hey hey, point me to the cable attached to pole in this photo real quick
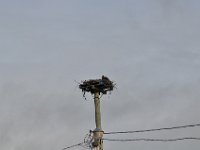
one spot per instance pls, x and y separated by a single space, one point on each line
157 129
75 145
152 140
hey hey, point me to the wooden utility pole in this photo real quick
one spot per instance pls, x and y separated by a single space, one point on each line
98 132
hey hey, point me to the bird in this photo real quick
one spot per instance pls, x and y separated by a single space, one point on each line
105 78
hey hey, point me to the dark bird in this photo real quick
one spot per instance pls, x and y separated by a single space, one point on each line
105 78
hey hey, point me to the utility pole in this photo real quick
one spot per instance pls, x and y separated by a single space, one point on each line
98 132
97 87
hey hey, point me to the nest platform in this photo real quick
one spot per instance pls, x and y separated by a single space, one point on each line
102 85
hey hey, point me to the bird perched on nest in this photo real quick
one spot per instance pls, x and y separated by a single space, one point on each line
105 78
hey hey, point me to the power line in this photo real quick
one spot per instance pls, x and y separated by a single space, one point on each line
145 139
152 140
158 129
75 145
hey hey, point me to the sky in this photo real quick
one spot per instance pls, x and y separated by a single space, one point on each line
149 48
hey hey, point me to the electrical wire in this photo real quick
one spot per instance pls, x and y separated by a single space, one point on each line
88 141
158 129
152 140
75 145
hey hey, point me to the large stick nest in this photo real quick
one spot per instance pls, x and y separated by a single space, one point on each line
102 85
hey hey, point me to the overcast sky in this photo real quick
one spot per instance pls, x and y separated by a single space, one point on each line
150 48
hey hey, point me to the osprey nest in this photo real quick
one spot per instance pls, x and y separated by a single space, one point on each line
102 85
